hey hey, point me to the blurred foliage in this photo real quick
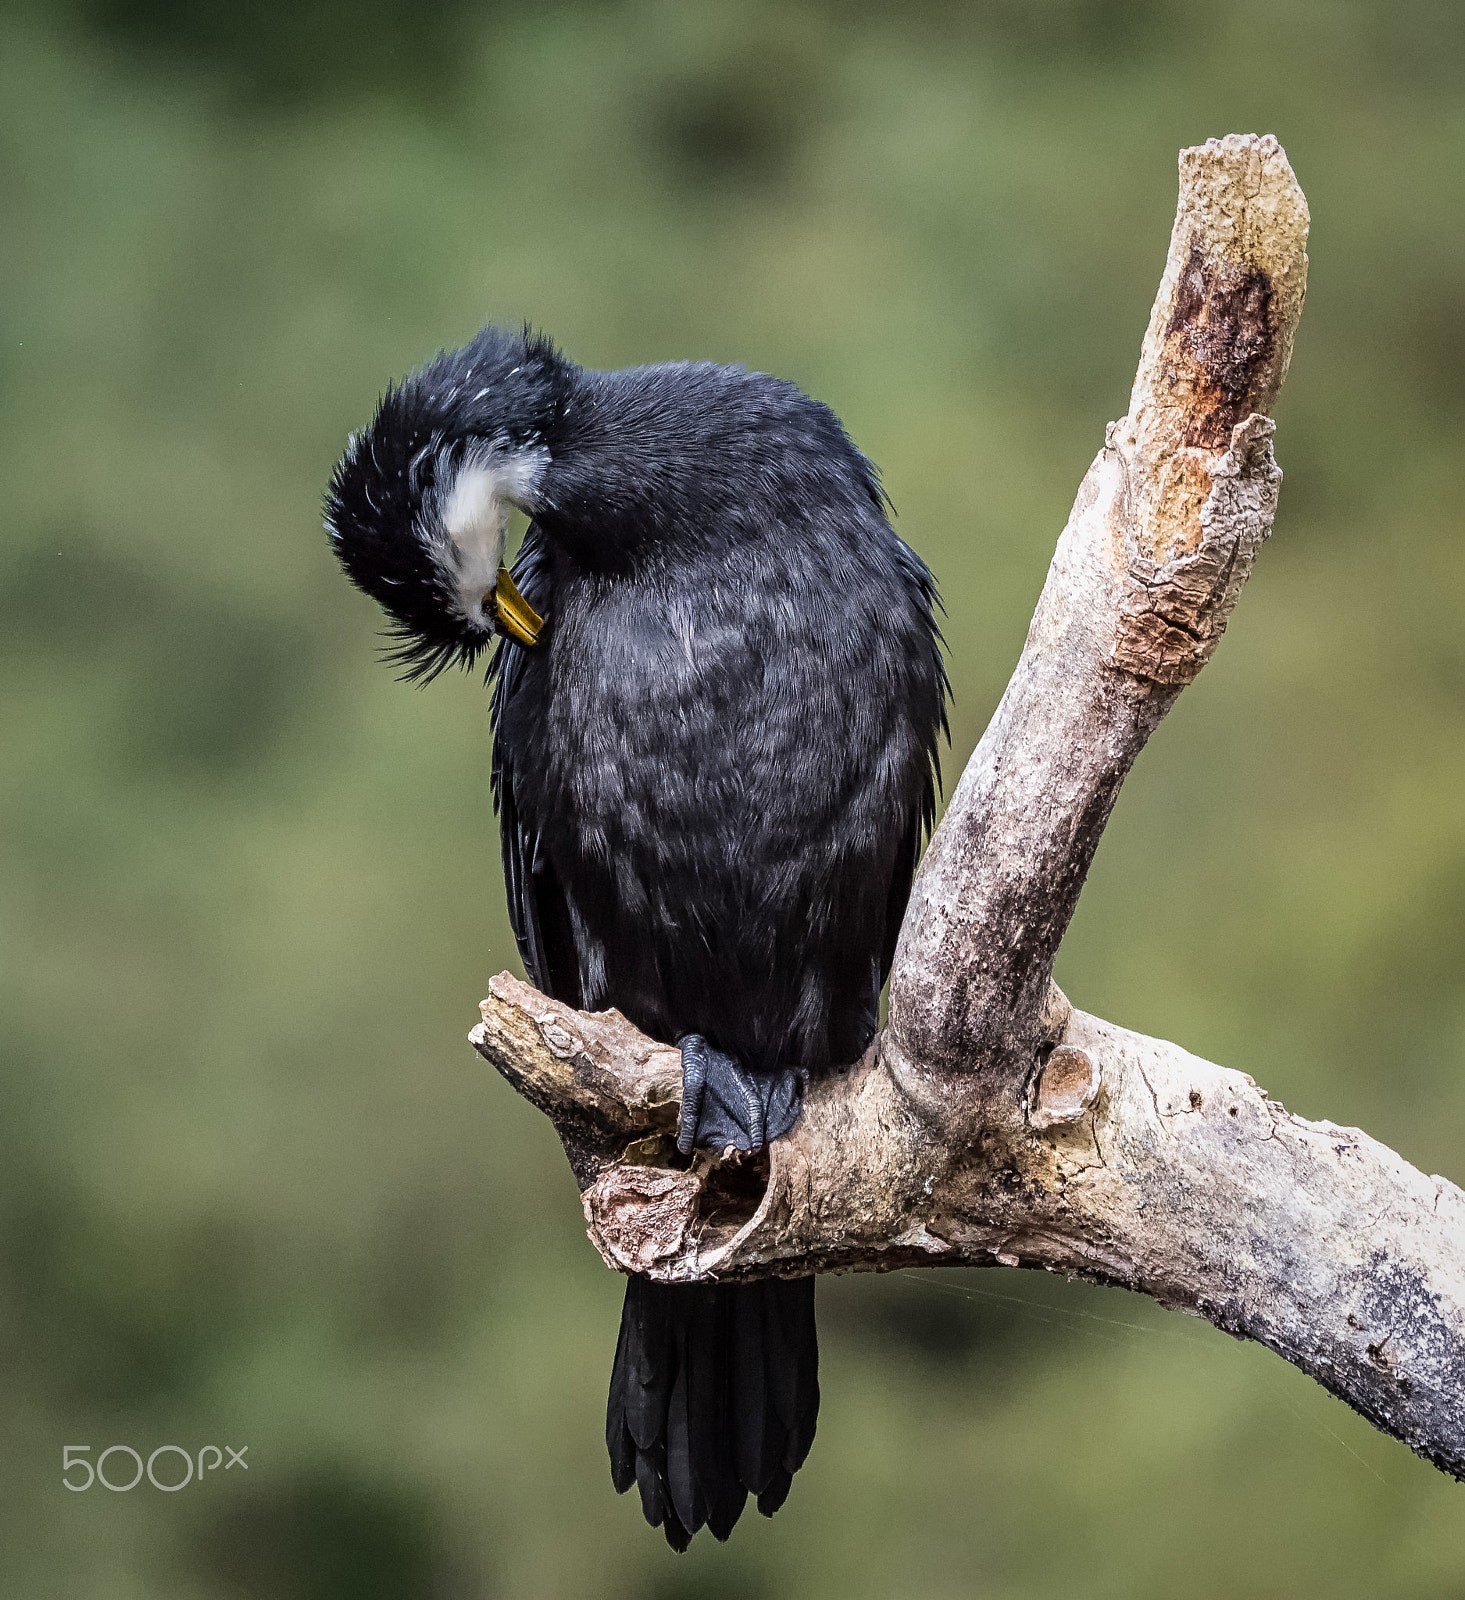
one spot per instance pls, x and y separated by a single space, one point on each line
254 1187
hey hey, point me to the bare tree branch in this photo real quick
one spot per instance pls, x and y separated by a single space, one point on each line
990 1123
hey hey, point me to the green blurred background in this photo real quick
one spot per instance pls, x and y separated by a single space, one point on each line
255 1188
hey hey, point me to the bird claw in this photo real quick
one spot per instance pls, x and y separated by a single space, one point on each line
726 1107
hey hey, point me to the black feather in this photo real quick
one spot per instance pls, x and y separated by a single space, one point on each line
681 1482
677 1536
757 1432
649 1361
776 1492
705 1358
618 1440
651 1481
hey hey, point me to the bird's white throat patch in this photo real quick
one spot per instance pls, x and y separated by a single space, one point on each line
475 521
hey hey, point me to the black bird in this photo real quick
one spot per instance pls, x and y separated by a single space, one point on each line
716 710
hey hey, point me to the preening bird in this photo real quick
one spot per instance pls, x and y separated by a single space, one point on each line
717 698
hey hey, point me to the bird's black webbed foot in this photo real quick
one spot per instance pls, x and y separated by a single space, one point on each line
725 1105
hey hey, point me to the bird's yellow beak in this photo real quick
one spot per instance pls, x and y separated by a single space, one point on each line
518 619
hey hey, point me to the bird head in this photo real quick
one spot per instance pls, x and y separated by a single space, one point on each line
418 505
641 470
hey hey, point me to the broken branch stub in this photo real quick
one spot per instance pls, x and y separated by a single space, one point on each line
1159 542
990 1122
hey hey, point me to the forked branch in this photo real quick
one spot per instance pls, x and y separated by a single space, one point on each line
990 1122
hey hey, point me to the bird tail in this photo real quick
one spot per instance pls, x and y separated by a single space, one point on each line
714 1396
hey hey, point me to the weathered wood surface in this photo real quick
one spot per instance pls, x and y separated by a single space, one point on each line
990 1123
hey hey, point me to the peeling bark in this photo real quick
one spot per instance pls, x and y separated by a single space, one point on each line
990 1122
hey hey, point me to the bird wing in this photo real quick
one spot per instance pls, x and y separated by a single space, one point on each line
538 910
898 896
929 716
